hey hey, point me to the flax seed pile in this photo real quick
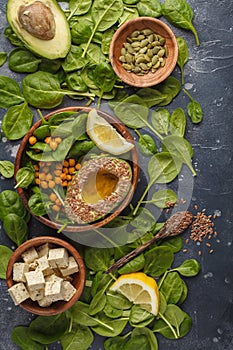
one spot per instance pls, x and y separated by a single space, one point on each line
202 228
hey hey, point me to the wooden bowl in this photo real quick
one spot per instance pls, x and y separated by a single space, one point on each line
78 278
24 193
119 38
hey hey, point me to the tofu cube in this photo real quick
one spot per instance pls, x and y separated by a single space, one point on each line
71 268
53 278
35 280
37 294
43 266
18 293
19 270
45 302
67 290
53 290
29 255
58 257
43 250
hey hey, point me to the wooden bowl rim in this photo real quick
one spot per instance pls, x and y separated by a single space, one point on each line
79 279
135 171
149 79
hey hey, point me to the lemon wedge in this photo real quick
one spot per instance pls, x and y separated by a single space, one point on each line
139 289
105 136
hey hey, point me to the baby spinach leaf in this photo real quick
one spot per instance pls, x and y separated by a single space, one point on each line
132 112
104 77
5 254
111 311
94 53
172 287
21 337
175 243
151 97
106 40
139 317
144 221
12 37
17 121
3 58
48 329
118 300
104 14
179 147
160 120
80 338
42 90
79 8
98 302
6 169
127 15
109 327
10 202
146 144
174 324
134 265
137 342
97 259
158 260
149 8
163 167
177 122
194 109
184 293
63 149
80 314
153 344
75 82
80 148
183 55
10 94
23 61
188 268
170 89
36 204
163 198
180 14
15 228
24 177
74 59
115 343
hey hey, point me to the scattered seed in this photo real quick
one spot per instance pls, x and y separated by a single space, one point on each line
185 250
211 251
199 252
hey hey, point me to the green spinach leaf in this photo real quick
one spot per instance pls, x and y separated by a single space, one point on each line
23 61
5 254
16 228
10 94
158 260
6 169
183 55
180 14
149 8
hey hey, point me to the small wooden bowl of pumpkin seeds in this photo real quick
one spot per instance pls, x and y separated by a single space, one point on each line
143 52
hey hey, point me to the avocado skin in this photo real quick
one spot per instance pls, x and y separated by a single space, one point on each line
83 213
58 46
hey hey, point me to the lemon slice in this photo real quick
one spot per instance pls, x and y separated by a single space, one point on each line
139 289
105 136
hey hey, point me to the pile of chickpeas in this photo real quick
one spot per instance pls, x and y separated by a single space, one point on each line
49 174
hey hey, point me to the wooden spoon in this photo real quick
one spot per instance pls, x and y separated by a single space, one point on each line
174 226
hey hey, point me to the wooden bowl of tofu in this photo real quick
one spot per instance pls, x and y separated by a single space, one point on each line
45 275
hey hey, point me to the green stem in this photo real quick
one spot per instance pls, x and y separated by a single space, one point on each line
107 238
142 197
89 40
195 35
163 278
188 94
169 325
21 181
151 128
41 116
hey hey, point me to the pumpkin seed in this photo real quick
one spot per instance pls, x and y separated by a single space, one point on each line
143 51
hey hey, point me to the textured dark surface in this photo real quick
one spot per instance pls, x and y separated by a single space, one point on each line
208 77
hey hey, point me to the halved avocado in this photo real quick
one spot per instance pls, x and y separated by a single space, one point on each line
41 25
100 185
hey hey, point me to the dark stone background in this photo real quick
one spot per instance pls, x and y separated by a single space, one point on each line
208 77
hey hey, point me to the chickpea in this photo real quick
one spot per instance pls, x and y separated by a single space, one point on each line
51 184
47 139
32 140
65 164
44 184
71 162
71 170
53 145
77 166
53 197
56 207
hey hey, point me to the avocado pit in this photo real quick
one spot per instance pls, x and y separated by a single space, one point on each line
38 20
100 185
